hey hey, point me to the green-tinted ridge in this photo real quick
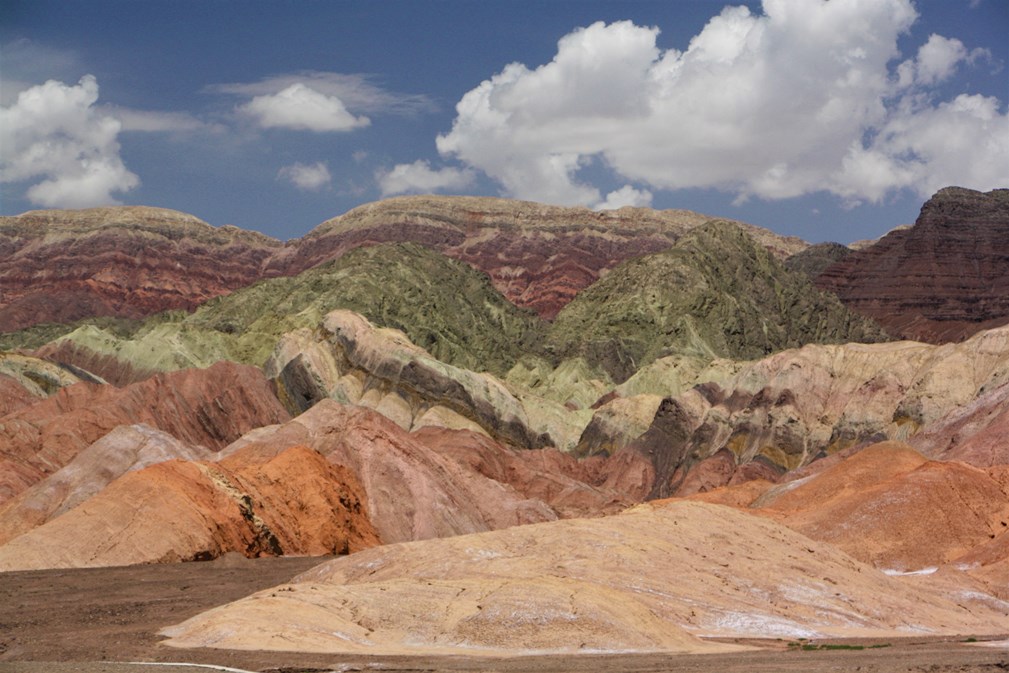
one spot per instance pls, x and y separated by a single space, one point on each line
716 293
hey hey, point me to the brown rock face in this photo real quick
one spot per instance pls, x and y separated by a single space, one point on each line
117 371
64 265
413 492
293 503
537 256
944 279
209 407
437 482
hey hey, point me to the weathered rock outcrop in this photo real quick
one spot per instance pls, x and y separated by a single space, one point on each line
354 362
442 304
25 380
13 395
976 433
39 377
653 578
294 503
570 487
537 256
944 279
716 293
63 265
210 407
798 405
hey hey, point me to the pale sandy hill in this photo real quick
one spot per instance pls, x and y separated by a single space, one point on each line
293 503
652 578
890 506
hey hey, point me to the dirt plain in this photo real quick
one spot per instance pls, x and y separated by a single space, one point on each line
99 620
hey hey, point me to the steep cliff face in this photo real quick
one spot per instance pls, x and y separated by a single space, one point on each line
944 279
537 256
63 265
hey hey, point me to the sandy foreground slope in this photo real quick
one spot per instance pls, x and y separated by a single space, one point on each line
80 621
655 578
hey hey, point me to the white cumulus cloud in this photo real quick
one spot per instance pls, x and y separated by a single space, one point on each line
307 177
420 178
53 131
625 196
800 98
302 108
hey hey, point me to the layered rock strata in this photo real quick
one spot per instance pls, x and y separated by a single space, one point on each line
715 293
437 482
537 256
796 406
943 279
62 265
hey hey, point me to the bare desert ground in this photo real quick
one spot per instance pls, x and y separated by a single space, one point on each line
98 620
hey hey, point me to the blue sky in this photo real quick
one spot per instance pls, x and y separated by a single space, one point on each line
826 120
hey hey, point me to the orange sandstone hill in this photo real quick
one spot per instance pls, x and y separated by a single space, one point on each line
292 503
438 482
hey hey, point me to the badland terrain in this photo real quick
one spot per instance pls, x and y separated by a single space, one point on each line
498 435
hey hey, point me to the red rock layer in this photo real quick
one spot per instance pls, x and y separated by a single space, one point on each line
537 256
209 407
13 395
64 265
126 448
437 482
944 279
293 503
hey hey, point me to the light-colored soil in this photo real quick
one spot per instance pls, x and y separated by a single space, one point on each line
80 621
